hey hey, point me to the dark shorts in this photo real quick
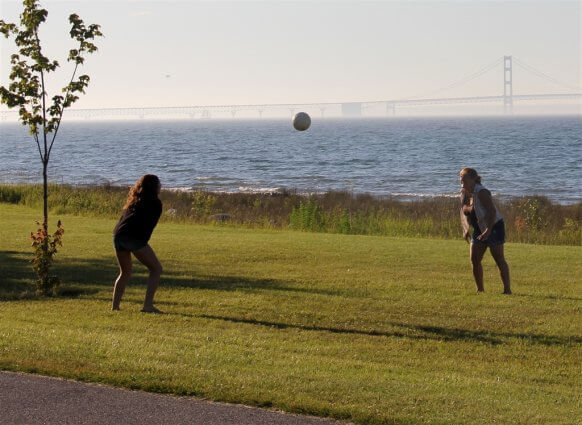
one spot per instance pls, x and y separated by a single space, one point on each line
496 237
127 243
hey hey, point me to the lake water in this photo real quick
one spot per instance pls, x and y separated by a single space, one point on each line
400 157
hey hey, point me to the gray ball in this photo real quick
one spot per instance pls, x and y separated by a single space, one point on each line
301 121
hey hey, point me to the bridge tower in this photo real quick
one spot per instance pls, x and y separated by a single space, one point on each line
507 85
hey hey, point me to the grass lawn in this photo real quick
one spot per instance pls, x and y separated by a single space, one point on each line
375 330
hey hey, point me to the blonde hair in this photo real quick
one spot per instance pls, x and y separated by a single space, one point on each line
471 172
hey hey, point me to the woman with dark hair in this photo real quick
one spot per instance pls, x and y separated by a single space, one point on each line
141 213
488 230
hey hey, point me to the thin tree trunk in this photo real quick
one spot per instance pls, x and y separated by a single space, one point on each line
45 244
45 196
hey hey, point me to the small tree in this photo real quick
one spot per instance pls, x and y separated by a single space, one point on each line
27 91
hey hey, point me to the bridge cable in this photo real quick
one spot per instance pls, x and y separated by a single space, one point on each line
543 75
463 80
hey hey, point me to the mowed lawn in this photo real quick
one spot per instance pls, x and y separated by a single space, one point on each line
374 330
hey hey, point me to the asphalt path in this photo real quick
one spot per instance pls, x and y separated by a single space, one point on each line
33 400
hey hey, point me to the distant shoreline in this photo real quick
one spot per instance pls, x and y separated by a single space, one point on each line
95 120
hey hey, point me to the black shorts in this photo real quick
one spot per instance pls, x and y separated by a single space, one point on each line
496 237
127 243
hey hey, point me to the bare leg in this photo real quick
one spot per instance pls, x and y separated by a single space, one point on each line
124 260
477 251
147 257
499 257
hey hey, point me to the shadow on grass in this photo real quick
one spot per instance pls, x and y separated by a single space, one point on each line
484 336
17 279
91 276
556 297
81 276
16 275
416 332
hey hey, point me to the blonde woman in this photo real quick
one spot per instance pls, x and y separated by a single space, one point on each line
132 233
488 231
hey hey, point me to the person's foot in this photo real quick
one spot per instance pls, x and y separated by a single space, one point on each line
115 308
507 292
152 310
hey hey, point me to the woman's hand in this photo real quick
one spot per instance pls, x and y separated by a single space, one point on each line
483 236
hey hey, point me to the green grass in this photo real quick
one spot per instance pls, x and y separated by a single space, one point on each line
378 330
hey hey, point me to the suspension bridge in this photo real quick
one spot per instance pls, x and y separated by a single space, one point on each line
506 99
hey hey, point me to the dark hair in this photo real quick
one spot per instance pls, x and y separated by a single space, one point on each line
472 173
145 188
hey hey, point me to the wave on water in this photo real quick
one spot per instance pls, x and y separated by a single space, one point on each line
273 190
416 195
240 189
262 190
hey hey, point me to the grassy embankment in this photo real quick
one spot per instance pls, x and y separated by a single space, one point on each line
529 220
379 330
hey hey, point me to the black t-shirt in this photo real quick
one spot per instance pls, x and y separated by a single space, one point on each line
139 220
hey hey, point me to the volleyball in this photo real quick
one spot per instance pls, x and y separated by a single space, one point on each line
301 121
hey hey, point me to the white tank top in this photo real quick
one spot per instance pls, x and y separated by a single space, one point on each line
480 211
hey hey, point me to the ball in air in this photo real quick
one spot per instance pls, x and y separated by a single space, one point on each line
301 121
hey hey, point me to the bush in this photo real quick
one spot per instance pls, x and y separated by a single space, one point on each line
45 248
307 216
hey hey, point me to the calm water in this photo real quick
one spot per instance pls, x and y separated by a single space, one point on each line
407 157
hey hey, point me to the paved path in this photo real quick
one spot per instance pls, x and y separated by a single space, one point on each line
34 400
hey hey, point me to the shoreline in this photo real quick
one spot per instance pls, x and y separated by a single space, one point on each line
528 219
406 197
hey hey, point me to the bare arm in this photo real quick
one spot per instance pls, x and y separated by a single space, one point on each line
487 202
466 205
464 211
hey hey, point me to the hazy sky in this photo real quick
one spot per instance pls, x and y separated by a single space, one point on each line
173 53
